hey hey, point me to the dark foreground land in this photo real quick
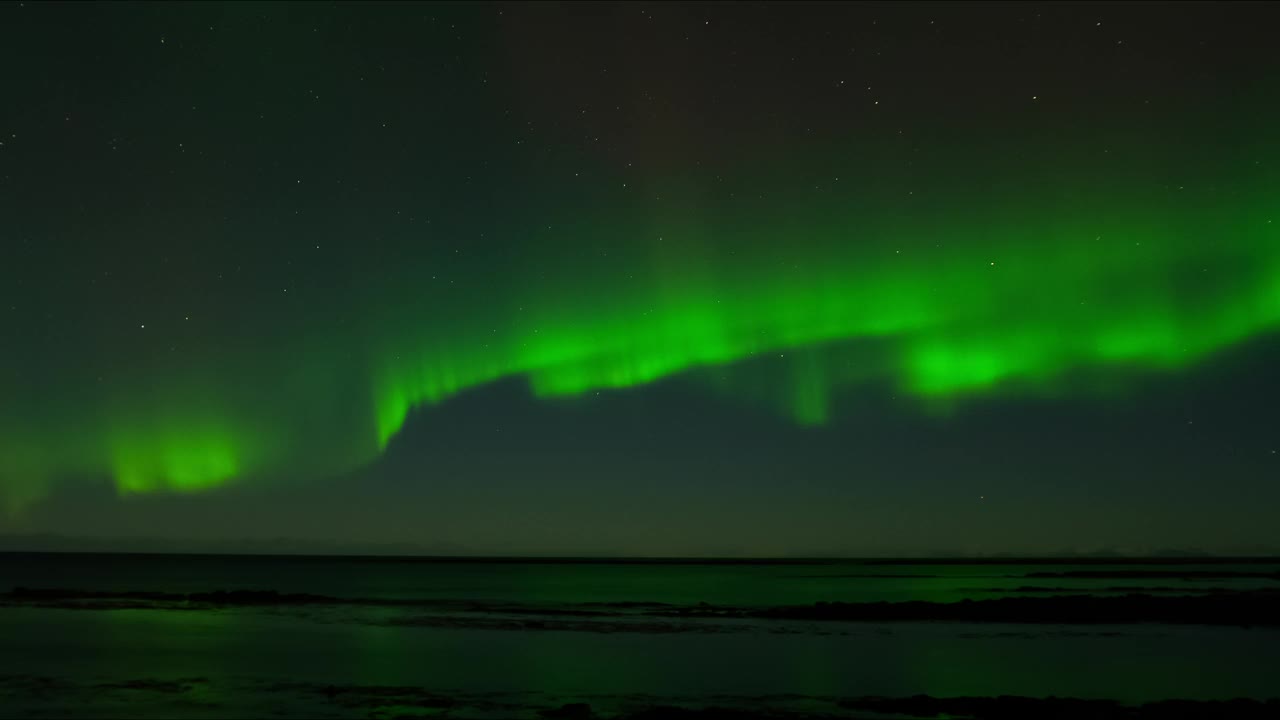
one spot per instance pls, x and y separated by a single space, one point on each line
1236 608
198 697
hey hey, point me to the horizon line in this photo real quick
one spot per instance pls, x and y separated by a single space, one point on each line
1164 557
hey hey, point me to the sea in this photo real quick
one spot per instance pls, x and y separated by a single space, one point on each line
110 635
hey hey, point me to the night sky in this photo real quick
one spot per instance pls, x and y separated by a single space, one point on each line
641 279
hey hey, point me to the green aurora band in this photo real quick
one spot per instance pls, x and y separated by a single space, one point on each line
942 303
950 323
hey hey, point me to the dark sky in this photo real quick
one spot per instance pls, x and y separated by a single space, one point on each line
654 279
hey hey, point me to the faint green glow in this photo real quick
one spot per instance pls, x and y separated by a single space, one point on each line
188 460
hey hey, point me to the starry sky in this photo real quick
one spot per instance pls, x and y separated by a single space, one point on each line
641 279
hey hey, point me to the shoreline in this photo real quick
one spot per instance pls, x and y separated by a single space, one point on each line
1240 608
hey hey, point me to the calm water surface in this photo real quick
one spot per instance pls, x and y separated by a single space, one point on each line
242 658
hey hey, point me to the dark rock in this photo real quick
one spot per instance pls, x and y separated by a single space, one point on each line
569 711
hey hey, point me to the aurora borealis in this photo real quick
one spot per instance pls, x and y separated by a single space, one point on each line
248 247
